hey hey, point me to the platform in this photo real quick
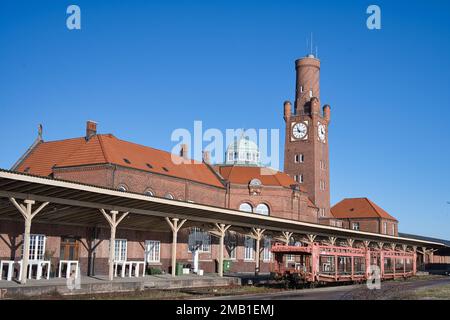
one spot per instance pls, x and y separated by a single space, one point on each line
100 284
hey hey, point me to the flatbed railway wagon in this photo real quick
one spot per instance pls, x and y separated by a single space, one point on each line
318 263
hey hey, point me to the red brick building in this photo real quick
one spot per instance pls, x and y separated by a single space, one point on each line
300 193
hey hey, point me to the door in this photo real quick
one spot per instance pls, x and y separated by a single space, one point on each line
69 248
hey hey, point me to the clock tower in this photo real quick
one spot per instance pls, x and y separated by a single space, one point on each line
306 146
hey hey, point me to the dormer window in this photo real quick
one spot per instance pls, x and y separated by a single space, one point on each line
126 161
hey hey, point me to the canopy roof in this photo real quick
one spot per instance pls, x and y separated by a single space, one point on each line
78 204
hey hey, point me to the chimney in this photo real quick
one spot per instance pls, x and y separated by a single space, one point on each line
327 112
91 129
184 151
287 110
207 157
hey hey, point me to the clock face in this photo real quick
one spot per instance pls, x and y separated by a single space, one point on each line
299 130
322 132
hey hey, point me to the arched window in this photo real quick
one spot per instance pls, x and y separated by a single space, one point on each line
262 209
149 193
169 196
246 207
122 188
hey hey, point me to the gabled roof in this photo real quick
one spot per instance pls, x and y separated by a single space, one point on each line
107 149
359 208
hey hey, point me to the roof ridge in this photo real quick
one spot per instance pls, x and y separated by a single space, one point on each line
373 207
100 140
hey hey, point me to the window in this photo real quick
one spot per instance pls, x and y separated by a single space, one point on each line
37 247
322 165
385 227
246 207
300 178
69 248
355 225
122 188
322 185
126 161
299 158
197 235
169 196
165 169
310 93
120 250
393 229
301 88
152 248
267 253
322 212
149 193
262 209
149 165
230 156
231 244
249 245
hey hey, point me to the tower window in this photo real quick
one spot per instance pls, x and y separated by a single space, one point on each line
310 93
322 165
300 178
301 89
322 212
299 158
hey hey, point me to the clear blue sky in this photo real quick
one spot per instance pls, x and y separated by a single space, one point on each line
144 68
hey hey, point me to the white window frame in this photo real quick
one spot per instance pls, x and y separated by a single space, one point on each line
243 204
249 249
36 250
120 250
300 178
267 249
152 251
355 226
385 227
258 211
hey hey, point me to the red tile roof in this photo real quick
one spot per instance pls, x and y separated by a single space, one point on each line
359 208
244 174
107 149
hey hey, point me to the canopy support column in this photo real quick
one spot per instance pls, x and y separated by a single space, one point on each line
26 210
257 234
175 227
222 229
113 222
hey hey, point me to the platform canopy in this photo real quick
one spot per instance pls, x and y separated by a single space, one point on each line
77 204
